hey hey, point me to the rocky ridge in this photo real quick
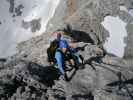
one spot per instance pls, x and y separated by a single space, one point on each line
27 75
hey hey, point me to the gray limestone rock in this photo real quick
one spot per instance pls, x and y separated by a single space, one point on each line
88 16
34 25
103 76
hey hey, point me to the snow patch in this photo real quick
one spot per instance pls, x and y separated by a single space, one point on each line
117 31
123 8
11 28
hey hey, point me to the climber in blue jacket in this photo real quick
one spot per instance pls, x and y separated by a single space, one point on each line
60 55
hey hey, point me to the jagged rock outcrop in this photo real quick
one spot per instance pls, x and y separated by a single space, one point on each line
101 78
23 80
87 15
27 76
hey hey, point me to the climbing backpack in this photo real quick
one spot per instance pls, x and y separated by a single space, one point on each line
51 51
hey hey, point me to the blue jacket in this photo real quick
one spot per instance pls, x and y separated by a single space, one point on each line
63 43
